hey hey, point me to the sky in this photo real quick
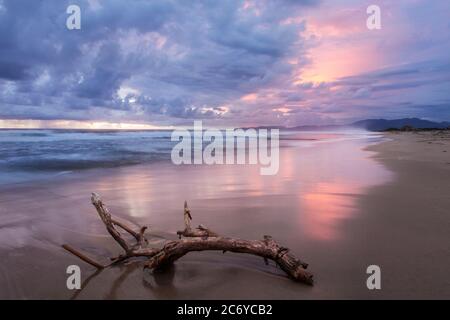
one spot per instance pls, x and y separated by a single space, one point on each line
149 64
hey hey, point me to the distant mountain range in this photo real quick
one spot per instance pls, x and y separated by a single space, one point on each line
379 125
383 124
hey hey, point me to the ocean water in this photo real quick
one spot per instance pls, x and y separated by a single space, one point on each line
42 154
34 154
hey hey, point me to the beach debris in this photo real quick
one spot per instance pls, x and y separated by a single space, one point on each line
190 239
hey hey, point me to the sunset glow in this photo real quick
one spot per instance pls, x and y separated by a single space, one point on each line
71 124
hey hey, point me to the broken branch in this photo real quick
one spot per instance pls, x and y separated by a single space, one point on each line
200 231
106 218
83 257
200 239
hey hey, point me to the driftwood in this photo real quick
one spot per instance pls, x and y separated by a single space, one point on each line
198 239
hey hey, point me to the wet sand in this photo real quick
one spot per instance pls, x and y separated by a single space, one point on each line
339 206
406 226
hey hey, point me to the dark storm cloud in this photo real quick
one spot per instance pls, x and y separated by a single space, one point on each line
414 88
179 55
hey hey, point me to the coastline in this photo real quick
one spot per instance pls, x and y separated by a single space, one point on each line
350 227
407 220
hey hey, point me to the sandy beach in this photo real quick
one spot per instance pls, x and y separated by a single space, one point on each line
340 206
406 223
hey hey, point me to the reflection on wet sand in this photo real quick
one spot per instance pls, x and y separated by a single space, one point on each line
324 207
322 182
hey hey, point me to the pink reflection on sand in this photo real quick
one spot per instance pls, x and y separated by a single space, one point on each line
327 178
318 181
325 207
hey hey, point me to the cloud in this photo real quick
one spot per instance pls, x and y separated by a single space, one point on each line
172 61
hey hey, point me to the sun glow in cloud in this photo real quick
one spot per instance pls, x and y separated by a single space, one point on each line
341 45
124 91
282 110
251 97
331 61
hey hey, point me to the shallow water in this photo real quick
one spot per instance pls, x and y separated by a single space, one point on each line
304 207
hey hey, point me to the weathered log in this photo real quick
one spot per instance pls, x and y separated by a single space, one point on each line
267 249
200 239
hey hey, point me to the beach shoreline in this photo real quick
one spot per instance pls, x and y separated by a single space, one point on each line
356 224
408 217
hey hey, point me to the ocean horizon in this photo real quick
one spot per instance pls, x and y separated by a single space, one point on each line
33 154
